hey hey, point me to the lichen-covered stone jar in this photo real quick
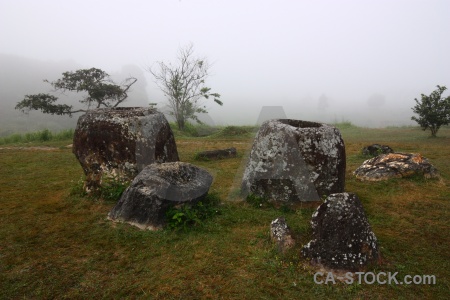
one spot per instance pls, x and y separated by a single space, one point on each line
119 142
293 161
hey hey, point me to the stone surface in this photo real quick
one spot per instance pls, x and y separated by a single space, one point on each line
157 188
395 165
342 236
217 154
376 149
119 142
293 161
280 233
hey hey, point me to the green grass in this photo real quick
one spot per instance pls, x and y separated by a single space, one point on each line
214 132
38 136
58 245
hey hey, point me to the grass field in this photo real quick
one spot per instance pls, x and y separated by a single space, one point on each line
54 245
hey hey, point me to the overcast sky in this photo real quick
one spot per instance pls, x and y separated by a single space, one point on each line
360 60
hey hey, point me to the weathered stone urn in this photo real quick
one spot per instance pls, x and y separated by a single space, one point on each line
293 161
119 142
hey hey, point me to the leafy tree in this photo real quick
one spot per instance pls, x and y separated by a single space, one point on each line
101 91
433 110
184 85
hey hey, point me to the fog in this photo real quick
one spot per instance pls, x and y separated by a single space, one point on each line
329 61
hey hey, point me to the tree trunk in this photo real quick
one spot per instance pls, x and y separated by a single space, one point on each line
180 123
434 130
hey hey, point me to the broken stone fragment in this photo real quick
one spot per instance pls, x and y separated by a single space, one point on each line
342 237
281 235
156 189
293 161
395 165
119 142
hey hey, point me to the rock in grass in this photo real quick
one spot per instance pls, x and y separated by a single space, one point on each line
281 235
395 165
216 154
342 236
156 189
119 142
292 161
376 149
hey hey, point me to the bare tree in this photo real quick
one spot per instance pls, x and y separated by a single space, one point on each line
184 85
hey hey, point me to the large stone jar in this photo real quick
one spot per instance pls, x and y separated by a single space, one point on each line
293 161
119 142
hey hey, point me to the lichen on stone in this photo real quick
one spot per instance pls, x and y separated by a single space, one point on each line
295 161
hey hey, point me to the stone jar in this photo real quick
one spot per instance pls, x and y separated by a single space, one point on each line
119 142
293 161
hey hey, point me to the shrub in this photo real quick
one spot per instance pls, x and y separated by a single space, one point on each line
45 135
185 216
112 189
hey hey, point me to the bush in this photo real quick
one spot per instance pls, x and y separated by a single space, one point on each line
110 190
186 215
45 135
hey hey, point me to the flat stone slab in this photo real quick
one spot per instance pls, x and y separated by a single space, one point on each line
217 154
395 165
156 189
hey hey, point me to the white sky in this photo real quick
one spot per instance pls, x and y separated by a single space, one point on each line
264 53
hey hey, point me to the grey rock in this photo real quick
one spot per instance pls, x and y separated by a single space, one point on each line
156 189
280 233
376 149
217 154
342 236
120 142
292 161
395 165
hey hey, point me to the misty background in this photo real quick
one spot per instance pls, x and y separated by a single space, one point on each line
328 61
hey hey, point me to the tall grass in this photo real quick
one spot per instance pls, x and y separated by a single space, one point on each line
38 136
